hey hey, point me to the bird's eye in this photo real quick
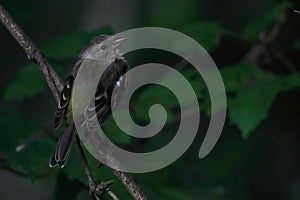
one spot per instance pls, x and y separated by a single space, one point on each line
102 48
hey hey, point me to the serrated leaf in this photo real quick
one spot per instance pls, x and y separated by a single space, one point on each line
29 158
239 75
28 82
252 103
14 127
255 27
206 34
33 158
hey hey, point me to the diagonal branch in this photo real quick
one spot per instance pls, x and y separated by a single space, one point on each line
55 84
96 190
264 47
131 186
33 53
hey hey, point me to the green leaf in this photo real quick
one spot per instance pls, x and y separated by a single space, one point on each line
196 81
66 46
155 94
22 153
28 82
74 170
70 44
114 133
206 33
33 158
74 167
258 25
30 158
158 94
237 76
255 93
14 128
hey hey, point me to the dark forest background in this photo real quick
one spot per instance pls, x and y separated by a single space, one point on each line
255 44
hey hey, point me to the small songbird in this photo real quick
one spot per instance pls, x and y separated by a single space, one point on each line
101 47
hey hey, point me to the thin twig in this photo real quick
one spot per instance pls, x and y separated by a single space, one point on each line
265 41
264 48
284 60
92 183
96 190
56 85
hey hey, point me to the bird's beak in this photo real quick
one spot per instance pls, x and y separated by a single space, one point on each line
119 41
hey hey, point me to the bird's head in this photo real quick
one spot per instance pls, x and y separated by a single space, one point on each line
105 48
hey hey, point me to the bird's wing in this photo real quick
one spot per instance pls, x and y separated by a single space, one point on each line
64 101
100 107
65 96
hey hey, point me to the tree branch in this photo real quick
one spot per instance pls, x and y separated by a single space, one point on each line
55 84
131 186
265 42
33 53
96 190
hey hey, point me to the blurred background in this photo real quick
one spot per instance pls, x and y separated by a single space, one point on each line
256 46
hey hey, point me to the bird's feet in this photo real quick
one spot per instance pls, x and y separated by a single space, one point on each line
98 190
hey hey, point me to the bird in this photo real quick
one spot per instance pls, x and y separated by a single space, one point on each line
100 47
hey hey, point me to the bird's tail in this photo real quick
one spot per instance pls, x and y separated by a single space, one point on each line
63 147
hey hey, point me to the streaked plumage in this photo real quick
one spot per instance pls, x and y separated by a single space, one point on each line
112 76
